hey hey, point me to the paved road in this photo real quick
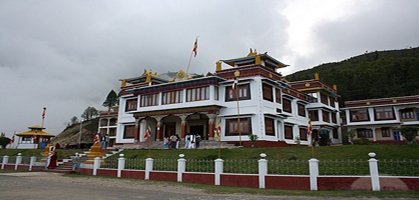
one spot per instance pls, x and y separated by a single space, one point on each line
45 186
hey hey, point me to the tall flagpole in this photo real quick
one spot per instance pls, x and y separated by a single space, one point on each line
43 117
195 48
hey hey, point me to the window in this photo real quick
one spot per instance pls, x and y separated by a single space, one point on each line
243 90
286 105
334 117
364 133
385 132
197 94
149 100
129 131
130 105
269 126
326 116
267 92
384 113
314 97
232 128
172 97
359 115
288 132
303 133
301 110
335 133
324 99
407 113
314 115
278 95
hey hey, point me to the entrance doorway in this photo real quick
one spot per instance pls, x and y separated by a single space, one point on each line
197 130
170 129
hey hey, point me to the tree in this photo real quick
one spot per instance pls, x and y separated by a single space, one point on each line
409 133
111 100
4 141
74 120
90 113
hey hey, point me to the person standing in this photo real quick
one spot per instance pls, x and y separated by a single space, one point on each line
103 141
53 161
76 162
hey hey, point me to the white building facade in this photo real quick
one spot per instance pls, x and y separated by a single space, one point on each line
248 98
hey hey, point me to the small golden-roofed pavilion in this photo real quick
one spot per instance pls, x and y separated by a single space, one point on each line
34 138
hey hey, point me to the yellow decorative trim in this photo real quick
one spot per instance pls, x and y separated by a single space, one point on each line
258 61
218 66
123 83
316 76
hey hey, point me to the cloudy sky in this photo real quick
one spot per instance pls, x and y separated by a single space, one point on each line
67 55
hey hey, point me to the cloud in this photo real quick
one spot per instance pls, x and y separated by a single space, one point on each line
67 55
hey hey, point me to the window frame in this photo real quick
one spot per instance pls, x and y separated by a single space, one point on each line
242 121
246 94
285 104
288 127
128 103
303 109
267 92
270 120
125 131
376 114
303 133
352 114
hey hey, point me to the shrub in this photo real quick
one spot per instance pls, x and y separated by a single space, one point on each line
361 141
409 133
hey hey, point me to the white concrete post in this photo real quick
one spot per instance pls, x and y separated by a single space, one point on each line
219 164
5 161
32 162
263 170
375 179
96 165
148 168
314 173
181 166
18 160
121 165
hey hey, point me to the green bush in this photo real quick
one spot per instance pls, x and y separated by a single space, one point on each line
362 141
409 133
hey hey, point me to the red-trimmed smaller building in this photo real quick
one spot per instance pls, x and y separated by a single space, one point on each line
380 119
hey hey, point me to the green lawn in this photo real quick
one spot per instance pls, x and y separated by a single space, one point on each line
287 153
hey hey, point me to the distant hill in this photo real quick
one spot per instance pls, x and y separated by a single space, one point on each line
71 134
371 75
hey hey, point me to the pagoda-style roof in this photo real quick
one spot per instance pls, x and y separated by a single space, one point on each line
35 130
251 59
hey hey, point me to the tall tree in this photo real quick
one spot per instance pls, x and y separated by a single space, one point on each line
111 100
90 113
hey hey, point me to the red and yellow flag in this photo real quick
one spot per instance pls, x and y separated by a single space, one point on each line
195 47
43 113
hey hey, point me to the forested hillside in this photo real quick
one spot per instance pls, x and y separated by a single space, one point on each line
371 75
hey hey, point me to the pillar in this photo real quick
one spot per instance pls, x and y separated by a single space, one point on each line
5 161
263 170
183 125
374 137
314 173
121 165
18 160
32 162
136 131
96 165
218 170
148 168
373 165
211 126
181 166
159 136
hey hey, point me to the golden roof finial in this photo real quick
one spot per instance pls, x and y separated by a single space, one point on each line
316 76
252 53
